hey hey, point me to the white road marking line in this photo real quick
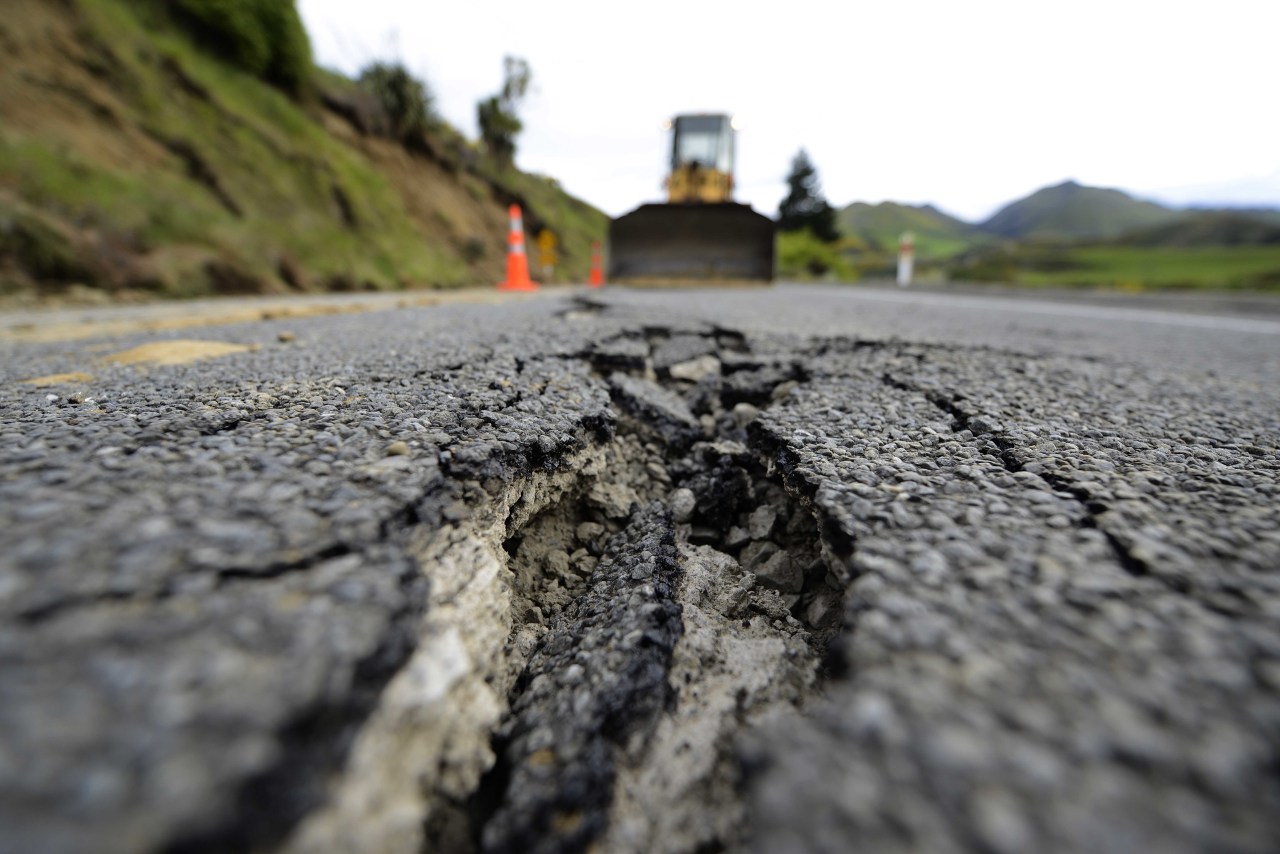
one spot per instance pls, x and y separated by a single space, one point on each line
1123 314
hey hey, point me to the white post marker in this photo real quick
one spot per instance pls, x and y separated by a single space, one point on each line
906 259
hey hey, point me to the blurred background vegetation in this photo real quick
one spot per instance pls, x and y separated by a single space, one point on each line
191 147
1067 235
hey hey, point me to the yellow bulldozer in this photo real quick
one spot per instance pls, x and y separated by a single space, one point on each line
700 236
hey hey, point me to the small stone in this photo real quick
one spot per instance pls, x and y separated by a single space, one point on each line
782 572
614 500
781 390
588 532
695 369
756 554
737 537
985 424
929 563
824 610
398 449
285 336
744 414
683 503
999 820
760 523
873 716
658 472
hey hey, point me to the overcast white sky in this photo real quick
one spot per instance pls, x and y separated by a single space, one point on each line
964 104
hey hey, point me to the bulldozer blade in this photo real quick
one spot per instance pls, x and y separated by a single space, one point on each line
691 245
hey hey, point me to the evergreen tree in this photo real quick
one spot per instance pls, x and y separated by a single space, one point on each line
805 208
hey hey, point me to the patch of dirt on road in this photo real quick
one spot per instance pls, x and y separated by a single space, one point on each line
60 379
178 352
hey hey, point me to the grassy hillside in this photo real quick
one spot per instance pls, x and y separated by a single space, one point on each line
936 234
1072 211
133 161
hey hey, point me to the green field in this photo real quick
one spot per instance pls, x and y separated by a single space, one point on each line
1132 267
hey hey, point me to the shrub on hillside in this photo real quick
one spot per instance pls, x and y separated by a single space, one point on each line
407 100
263 37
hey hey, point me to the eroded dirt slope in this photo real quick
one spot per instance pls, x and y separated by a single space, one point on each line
134 165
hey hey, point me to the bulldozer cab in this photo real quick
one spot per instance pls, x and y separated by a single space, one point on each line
701 160
700 236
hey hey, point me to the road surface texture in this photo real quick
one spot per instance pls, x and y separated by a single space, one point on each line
797 569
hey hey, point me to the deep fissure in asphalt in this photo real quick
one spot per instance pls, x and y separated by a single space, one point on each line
598 590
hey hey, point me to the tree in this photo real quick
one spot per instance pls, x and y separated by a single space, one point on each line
499 122
805 208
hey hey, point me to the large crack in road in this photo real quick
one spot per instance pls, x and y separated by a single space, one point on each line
653 595
661 586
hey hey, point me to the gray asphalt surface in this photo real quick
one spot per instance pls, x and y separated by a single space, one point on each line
1031 547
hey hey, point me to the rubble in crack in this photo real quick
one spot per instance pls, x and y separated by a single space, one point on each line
741 659
698 394
677 597
590 693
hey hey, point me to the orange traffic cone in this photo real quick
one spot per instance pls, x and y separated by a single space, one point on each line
517 262
597 274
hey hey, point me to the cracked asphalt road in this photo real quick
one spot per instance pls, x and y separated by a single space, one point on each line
984 574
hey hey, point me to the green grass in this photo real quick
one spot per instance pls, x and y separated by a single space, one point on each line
1255 267
151 209
232 169
270 157
934 248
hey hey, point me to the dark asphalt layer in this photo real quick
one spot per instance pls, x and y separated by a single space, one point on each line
1057 523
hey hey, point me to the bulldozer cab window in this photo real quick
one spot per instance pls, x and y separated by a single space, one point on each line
704 140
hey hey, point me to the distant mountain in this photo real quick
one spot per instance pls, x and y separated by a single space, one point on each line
1073 211
936 234
1068 211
